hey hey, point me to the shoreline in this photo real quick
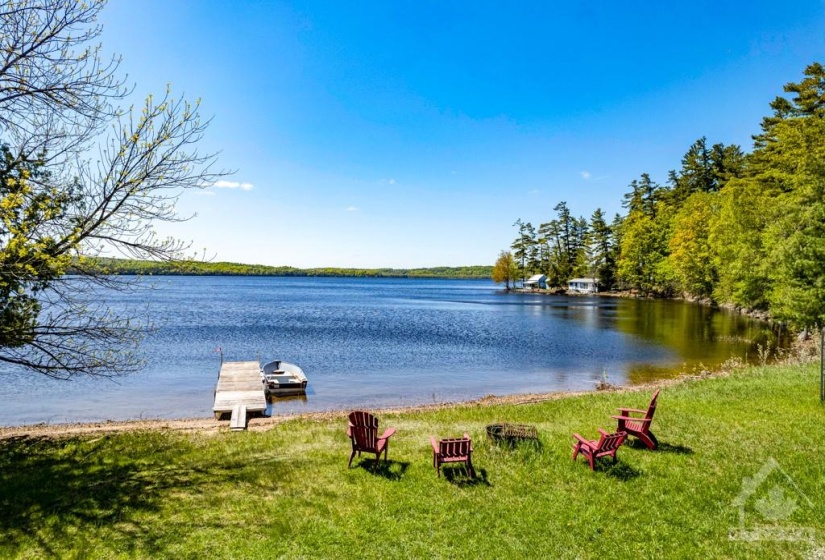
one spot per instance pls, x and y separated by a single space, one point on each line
758 314
211 426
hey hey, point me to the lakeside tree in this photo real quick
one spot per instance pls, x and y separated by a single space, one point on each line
602 251
691 254
505 270
790 159
524 248
642 262
71 191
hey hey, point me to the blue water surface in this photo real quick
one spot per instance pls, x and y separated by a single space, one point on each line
366 342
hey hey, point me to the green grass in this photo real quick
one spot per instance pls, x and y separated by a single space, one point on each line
287 492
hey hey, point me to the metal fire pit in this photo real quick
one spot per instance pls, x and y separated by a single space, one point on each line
511 433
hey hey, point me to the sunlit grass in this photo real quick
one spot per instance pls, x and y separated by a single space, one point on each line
287 492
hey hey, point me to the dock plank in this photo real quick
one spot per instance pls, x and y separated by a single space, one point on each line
239 383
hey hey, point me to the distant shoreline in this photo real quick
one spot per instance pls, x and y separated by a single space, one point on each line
127 267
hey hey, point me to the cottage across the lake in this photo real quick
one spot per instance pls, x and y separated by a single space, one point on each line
583 285
536 281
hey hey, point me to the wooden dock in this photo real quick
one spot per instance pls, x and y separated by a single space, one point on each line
239 391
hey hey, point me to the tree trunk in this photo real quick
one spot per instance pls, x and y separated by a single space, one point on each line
821 363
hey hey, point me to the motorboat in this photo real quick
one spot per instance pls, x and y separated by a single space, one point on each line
282 379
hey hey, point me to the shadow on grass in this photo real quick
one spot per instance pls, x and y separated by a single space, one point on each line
51 490
670 448
459 476
389 469
662 447
620 470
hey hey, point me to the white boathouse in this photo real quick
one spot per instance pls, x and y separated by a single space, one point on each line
536 281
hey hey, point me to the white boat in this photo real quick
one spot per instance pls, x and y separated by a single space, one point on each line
283 379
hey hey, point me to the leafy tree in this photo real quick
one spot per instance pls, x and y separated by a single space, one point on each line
735 237
691 256
645 231
58 98
505 269
643 252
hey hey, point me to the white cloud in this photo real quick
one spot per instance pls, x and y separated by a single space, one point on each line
352 209
391 182
534 191
585 175
232 185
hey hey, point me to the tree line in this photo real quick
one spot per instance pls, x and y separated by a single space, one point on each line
126 267
738 228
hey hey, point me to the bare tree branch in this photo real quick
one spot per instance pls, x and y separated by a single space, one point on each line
61 207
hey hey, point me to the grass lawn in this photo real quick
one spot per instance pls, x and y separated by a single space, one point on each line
287 492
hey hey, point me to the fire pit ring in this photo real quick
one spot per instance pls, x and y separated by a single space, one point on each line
512 433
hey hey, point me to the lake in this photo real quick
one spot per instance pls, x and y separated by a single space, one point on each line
368 342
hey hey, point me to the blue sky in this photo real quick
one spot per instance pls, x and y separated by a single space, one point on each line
408 134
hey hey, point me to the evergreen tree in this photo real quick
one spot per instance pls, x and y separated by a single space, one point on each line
602 253
554 268
524 250
580 250
645 232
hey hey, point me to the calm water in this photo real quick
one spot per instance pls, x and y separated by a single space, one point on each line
384 342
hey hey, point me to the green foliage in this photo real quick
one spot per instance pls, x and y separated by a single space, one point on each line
748 230
796 238
30 257
563 246
603 251
643 253
691 255
735 236
525 251
505 269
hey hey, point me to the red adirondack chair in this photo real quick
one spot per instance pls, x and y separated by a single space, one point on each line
456 450
639 427
363 433
605 446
